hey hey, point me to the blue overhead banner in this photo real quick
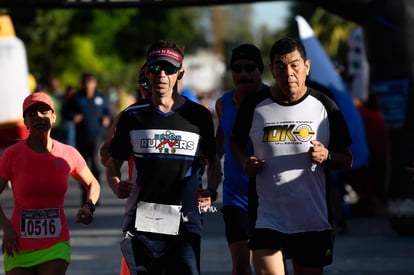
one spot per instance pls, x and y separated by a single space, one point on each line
323 72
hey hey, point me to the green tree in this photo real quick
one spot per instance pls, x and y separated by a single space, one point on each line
42 33
110 42
332 30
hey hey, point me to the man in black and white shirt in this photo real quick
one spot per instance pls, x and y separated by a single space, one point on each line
296 133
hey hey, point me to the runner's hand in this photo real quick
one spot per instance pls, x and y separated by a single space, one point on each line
10 240
124 188
204 199
84 215
253 166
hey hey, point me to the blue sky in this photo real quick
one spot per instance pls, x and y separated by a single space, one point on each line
270 13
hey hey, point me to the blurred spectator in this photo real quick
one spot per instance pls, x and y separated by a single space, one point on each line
40 88
92 117
56 95
144 89
67 126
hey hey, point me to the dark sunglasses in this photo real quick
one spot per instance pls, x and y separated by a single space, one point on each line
166 67
32 112
237 68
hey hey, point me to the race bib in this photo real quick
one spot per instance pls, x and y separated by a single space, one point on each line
158 218
40 223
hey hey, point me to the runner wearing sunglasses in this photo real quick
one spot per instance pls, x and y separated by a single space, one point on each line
168 137
246 69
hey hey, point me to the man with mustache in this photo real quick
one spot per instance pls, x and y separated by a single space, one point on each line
247 68
297 134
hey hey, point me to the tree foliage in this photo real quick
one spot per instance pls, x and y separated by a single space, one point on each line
110 42
113 42
332 30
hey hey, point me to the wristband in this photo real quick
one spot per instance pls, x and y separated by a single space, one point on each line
213 193
91 206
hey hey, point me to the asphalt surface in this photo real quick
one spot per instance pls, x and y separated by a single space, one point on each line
371 247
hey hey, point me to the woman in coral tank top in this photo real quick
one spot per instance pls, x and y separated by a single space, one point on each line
36 237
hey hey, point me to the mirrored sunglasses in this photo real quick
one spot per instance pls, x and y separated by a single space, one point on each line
166 67
237 68
145 84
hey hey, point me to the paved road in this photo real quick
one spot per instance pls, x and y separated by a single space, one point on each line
370 248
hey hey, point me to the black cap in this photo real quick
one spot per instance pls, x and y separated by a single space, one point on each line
248 51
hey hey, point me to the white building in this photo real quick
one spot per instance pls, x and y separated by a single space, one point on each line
204 72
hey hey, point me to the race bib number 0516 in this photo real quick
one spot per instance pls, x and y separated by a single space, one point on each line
40 223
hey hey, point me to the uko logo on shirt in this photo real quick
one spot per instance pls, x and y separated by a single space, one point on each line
288 133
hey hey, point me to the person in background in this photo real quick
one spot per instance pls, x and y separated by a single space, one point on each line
144 89
36 237
296 133
92 118
167 135
67 125
246 65
56 95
